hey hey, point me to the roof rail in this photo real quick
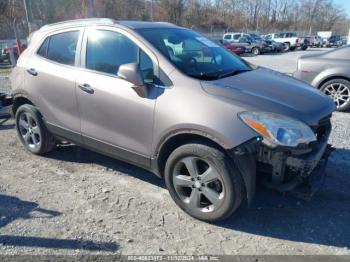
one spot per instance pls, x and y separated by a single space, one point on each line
78 22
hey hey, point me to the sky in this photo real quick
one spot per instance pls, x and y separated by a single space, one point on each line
345 4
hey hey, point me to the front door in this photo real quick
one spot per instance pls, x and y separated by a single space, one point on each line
114 118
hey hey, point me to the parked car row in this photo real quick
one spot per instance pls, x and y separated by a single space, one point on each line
257 44
333 41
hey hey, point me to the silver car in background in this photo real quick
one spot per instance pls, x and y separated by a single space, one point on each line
330 73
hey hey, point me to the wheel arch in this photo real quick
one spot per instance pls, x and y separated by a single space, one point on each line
173 141
20 99
329 78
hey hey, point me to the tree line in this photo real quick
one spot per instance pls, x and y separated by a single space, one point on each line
208 16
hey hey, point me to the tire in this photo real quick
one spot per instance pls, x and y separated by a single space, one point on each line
287 47
339 91
32 131
255 51
225 191
292 48
304 47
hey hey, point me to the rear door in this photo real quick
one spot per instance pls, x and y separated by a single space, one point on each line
50 77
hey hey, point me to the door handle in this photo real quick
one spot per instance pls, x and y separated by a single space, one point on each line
32 72
86 88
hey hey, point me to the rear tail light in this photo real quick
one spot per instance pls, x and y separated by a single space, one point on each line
297 41
5 50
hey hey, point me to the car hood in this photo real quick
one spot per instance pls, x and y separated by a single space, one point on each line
270 91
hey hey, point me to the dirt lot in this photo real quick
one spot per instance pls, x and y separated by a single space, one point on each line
76 201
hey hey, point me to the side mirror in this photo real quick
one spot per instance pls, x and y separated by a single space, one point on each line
132 73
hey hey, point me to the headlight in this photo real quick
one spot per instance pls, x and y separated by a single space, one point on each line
278 129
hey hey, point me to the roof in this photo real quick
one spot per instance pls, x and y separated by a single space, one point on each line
107 21
144 24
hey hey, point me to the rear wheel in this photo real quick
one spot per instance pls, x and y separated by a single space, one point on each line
203 182
339 91
32 130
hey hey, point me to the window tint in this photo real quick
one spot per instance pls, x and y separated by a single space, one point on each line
227 37
107 50
236 37
193 54
43 48
146 66
62 47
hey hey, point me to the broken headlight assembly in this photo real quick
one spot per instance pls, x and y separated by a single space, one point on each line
278 130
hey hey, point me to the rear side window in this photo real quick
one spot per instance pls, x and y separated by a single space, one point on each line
236 37
227 37
43 48
61 48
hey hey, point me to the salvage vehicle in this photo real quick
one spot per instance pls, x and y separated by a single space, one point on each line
276 46
290 39
314 40
169 100
242 39
328 72
237 49
335 41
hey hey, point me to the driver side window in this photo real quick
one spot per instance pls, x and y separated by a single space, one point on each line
107 50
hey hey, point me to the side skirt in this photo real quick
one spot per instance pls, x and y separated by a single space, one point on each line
104 148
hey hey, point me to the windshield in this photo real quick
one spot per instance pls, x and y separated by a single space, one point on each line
193 54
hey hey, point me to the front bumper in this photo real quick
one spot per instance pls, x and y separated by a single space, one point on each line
286 169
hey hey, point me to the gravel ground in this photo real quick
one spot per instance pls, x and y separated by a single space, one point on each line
74 201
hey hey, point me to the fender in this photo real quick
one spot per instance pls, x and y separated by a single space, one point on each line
186 131
329 73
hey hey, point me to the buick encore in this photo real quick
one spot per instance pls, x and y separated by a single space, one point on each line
171 101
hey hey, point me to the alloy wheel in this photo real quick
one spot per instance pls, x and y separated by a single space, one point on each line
29 130
339 93
198 184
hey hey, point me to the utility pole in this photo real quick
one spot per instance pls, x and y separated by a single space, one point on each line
90 9
29 15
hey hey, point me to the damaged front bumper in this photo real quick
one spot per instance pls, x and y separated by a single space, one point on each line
299 170
5 106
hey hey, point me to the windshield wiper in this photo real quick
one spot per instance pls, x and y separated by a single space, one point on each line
204 76
215 76
232 73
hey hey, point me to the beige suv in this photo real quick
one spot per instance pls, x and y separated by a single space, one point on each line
171 101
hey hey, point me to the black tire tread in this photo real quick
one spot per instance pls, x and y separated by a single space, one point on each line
205 148
48 140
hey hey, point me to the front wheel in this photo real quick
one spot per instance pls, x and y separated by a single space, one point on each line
255 51
32 130
286 46
203 182
339 91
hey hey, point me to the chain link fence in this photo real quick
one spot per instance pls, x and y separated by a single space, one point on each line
5 85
